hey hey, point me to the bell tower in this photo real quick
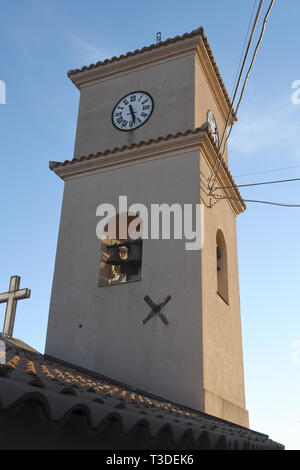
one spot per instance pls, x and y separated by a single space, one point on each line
169 322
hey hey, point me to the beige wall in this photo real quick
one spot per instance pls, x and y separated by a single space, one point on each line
205 100
222 340
197 360
182 85
170 83
113 341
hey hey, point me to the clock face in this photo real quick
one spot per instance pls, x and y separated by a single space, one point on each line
132 111
213 127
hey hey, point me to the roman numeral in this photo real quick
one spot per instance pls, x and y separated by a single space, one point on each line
125 101
132 98
145 101
144 114
146 107
124 123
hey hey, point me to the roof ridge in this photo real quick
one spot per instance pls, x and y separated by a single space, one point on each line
196 32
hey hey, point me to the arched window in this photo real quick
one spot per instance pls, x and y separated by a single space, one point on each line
222 267
121 258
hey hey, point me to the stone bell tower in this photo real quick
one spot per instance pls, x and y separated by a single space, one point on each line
147 128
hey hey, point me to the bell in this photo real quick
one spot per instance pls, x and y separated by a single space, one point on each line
114 256
134 260
134 254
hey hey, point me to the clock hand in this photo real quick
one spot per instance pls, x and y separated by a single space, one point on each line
132 113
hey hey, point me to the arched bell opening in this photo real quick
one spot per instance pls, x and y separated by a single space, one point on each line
222 267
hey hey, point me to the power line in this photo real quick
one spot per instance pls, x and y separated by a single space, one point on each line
245 83
257 201
237 85
244 87
256 184
244 47
203 175
267 171
219 197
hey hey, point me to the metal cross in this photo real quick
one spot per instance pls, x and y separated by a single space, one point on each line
156 309
11 297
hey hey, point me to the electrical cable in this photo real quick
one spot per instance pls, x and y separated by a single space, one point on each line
237 85
244 47
220 156
256 184
256 201
267 171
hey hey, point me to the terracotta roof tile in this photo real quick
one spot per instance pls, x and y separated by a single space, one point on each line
27 377
197 32
200 130
53 165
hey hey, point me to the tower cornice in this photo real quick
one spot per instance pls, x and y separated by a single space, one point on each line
189 43
170 146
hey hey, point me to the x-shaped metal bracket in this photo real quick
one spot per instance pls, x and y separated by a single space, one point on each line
156 309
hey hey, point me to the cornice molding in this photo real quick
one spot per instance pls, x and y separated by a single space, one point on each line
170 146
194 42
205 62
161 147
122 67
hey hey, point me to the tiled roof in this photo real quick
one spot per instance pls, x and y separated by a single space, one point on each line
197 32
200 130
60 390
91 156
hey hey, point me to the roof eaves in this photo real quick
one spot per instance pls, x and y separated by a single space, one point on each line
200 132
28 378
53 165
197 32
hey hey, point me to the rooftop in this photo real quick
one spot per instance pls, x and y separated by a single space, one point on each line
61 391
197 33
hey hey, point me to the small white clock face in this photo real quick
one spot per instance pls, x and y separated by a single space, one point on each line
132 111
213 127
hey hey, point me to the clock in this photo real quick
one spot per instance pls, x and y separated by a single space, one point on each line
132 111
213 127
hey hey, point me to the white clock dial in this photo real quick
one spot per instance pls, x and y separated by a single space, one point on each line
132 111
213 127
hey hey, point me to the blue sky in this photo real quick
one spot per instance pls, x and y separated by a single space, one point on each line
40 41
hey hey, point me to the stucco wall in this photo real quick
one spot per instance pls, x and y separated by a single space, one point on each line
222 339
171 85
192 353
204 101
166 360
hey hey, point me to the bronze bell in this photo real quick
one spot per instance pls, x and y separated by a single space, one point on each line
134 260
135 253
114 256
